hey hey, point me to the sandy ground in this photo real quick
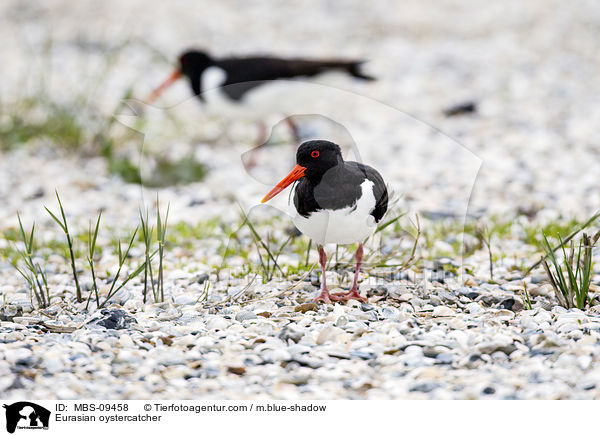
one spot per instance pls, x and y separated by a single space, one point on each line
529 152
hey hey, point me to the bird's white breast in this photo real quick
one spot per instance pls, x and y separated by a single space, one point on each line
341 226
213 79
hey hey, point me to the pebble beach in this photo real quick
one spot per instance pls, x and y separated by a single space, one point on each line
440 324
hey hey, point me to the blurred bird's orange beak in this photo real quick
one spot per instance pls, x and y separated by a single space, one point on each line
294 175
158 91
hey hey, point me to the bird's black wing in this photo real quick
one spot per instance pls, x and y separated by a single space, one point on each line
244 74
341 188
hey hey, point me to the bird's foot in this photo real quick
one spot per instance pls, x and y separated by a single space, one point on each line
352 294
326 297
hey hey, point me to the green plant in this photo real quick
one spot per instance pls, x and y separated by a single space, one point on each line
33 273
62 222
79 125
147 233
161 239
204 295
92 237
376 259
161 236
484 235
388 223
23 123
567 239
182 171
571 281
122 257
526 298
36 277
307 253
532 232
267 268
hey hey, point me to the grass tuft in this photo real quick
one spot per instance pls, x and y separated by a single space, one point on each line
484 235
161 235
572 280
204 295
572 234
24 259
62 222
33 273
78 126
526 298
92 237
123 255
147 233
268 269
377 260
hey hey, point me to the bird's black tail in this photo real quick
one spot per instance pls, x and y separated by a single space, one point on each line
354 69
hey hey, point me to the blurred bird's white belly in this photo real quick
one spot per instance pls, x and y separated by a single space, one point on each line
218 103
341 226
285 97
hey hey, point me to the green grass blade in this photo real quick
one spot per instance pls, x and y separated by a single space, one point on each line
93 245
567 239
55 218
389 223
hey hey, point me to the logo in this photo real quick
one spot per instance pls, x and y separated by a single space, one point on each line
26 415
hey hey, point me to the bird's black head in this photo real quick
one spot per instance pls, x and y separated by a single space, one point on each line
192 64
313 160
318 157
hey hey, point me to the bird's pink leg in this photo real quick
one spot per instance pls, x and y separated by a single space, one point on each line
293 128
353 294
324 296
249 158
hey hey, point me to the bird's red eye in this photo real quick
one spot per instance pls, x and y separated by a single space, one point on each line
315 153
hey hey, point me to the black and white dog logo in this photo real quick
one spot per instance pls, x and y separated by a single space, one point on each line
26 415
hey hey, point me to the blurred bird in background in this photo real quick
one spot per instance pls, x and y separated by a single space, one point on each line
224 84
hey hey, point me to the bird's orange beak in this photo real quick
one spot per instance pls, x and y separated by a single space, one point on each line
294 175
161 88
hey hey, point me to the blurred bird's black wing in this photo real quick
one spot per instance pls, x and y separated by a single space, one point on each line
244 74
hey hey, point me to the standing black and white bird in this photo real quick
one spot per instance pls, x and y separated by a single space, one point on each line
335 202
237 76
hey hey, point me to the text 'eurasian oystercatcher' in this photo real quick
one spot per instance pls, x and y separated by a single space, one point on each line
335 202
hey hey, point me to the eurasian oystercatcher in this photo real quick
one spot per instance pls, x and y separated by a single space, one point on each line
335 202
224 84
237 76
